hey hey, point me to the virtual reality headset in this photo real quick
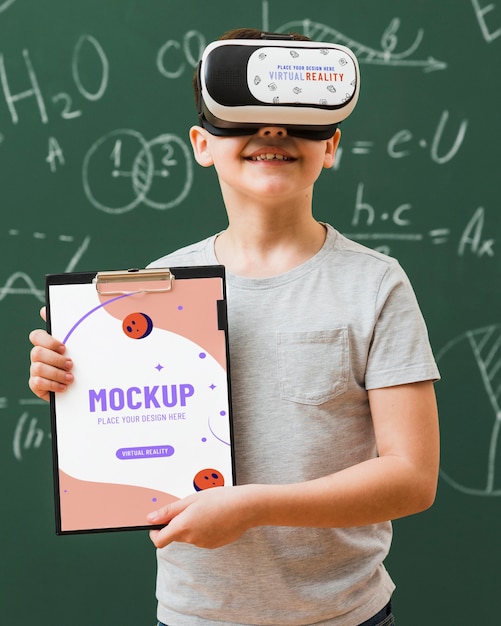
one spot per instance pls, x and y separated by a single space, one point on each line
305 86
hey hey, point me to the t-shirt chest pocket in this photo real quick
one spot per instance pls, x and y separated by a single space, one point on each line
313 365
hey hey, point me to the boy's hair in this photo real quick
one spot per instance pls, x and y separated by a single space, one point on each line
253 33
243 33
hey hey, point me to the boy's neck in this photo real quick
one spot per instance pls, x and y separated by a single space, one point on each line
267 246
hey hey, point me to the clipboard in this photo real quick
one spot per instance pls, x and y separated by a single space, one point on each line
148 418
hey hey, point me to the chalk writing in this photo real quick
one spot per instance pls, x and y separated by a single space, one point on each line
6 4
28 435
34 91
21 284
55 154
172 54
142 165
366 54
481 12
9 289
471 240
403 138
402 143
94 47
479 352
85 45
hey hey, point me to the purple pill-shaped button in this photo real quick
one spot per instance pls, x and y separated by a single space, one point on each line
144 452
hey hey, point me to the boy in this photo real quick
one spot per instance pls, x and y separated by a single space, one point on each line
335 420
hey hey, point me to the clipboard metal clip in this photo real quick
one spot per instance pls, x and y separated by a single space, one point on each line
103 279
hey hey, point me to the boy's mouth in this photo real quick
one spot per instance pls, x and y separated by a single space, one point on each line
269 156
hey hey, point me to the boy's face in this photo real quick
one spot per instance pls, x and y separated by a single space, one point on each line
267 164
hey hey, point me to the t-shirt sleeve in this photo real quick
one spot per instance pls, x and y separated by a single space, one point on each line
400 350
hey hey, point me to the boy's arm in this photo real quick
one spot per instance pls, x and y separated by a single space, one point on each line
50 370
401 481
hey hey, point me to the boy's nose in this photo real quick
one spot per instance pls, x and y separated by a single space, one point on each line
272 131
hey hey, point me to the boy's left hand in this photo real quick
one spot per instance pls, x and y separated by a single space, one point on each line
207 519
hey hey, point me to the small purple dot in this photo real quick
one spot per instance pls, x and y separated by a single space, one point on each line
204 439
222 412
153 499
202 355
180 308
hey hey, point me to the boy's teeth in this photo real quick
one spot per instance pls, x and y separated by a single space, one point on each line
269 157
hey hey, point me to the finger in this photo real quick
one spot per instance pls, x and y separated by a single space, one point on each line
42 338
43 313
50 365
162 538
165 513
50 378
49 370
42 387
45 378
52 356
155 539
159 537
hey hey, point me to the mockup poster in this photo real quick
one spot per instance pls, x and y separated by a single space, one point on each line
148 417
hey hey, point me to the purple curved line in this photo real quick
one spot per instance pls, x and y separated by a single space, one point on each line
214 434
74 327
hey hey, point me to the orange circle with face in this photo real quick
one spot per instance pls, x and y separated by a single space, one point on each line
137 325
207 479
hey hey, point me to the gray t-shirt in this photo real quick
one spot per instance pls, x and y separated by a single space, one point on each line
304 348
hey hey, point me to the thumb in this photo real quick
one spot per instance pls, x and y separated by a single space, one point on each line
164 514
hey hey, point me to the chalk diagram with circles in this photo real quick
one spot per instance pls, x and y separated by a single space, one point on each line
470 411
123 170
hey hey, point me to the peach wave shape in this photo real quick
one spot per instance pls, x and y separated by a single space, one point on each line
197 320
89 505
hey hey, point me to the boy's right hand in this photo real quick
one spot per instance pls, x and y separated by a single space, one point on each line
50 369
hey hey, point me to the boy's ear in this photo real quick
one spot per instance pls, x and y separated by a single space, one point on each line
330 149
200 145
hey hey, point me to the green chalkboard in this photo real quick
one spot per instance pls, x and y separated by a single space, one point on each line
96 173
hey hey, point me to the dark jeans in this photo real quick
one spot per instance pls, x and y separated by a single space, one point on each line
383 618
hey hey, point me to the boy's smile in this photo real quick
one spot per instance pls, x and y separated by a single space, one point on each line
270 154
270 157
268 165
